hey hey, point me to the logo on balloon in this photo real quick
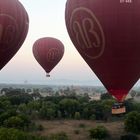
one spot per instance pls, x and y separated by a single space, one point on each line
8 31
52 54
89 36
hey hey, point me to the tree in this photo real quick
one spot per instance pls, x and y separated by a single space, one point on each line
107 105
18 98
105 96
22 108
129 136
99 110
6 115
50 113
59 114
129 104
136 106
26 119
15 122
92 117
132 122
99 133
68 107
36 95
47 113
86 113
14 134
34 106
77 116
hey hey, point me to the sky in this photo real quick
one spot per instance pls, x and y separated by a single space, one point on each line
47 19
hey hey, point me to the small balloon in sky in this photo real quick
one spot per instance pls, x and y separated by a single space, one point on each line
14 25
48 52
107 35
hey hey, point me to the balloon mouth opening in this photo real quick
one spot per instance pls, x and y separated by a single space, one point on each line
119 95
47 75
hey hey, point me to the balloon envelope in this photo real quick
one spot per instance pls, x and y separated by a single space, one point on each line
107 35
48 52
14 24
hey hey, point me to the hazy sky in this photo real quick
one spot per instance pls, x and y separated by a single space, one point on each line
47 20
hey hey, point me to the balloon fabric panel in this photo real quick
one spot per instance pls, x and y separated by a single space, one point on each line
48 52
106 34
14 25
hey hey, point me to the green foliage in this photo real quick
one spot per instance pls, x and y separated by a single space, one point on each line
86 112
34 105
18 108
129 136
47 113
58 136
100 132
17 98
22 108
77 116
5 104
83 99
14 121
132 105
26 120
136 106
92 117
68 107
107 105
53 107
5 115
99 110
106 96
19 121
129 104
132 122
14 134
59 114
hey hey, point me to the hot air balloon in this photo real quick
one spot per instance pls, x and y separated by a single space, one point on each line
106 33
48 52
14 24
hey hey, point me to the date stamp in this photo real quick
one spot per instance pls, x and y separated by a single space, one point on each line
126 1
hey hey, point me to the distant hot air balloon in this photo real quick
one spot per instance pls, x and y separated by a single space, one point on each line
48 52
107 35
14 24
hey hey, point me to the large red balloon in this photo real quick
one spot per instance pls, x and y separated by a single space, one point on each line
48 52
107 35
13 29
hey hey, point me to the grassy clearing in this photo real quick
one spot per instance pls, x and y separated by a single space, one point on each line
78 129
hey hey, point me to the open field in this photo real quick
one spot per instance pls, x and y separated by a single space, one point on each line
116 129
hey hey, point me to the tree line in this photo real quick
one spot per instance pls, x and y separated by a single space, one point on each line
19 110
